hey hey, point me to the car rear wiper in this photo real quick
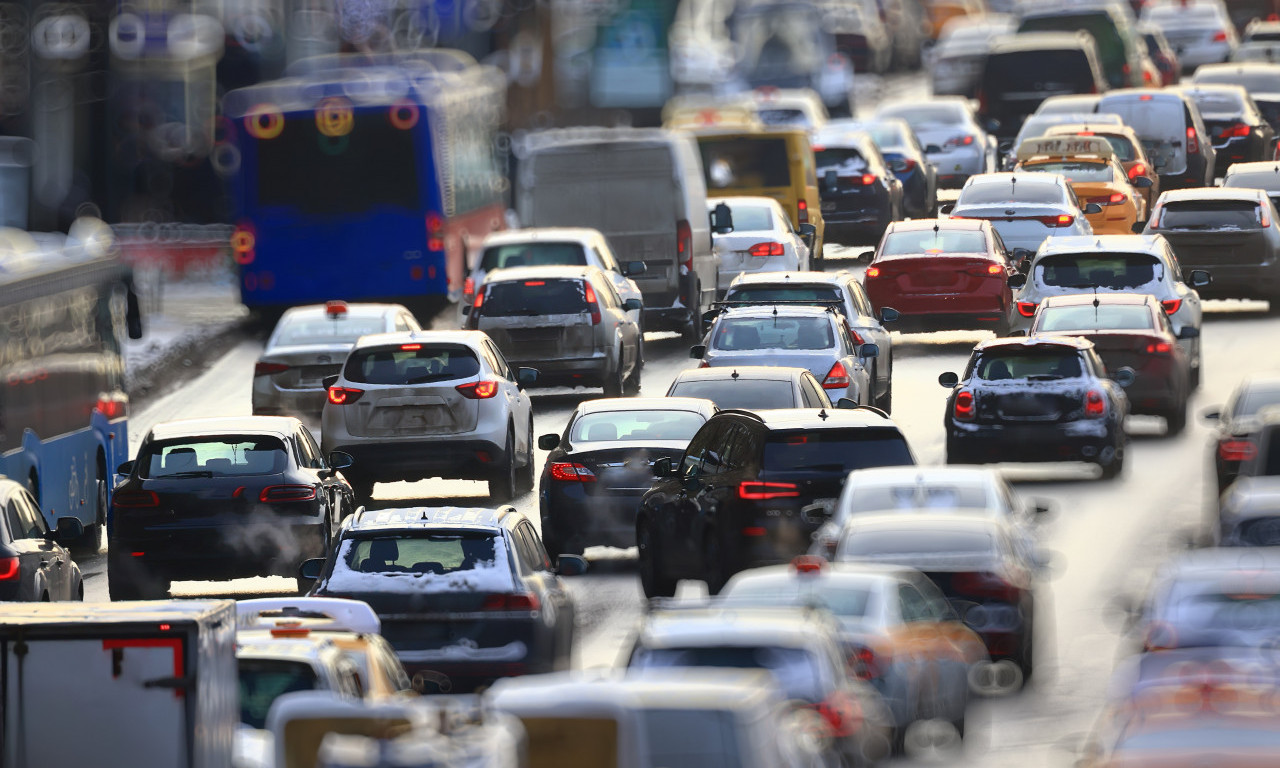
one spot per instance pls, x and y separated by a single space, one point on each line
189 473
1044 376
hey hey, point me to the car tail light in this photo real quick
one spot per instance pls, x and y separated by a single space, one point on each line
1159 348
1193 142
1171 306
1027 308
963 409
10 569
112 406
1136 170
1154 221
995 269
802 208
868 179
866 664
410 347
344 395
872 272
982 101
133 499
1062 220
684 245
958 141
837 377
269 369
287 493
243 240
908 165
762 491
1220 36
1264 215
589 293
468 288
755 531
1237 450
1146 77
1237 131
520 601
808 564
1113 199
335 308
571 473
841 713
984 584
1094 405
478 390
435 225
762 250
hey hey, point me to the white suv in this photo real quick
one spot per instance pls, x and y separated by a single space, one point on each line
427 404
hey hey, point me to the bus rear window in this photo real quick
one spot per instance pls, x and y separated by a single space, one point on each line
411 364
531 298
745 163
533 255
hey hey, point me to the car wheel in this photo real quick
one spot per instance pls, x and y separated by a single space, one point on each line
1111 470
526 479
653 579
613 382
131 582
502 486
632 385
361 491
713 562
885 401
691 331
1176 419
91 541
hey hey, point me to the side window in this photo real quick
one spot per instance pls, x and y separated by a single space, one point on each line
733 452
32 518
697 449
308 455
912 604
13 518
860 300
1099 368
530 551
937 607
814 395
1171 263
497 361
610 296
402 324
606 260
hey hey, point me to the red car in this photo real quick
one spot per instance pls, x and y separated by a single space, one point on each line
942 274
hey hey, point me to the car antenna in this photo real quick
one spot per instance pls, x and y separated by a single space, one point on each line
822 413
734 375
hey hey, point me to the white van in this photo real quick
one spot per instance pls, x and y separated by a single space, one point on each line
644 190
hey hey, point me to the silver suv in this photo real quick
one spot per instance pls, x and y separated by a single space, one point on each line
430 404
569 322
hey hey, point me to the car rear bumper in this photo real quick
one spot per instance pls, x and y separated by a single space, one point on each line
270 400
1235 282
575 518
272 547
571 371
448 456
1090 440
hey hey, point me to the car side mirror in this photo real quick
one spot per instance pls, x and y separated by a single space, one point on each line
809 234
548 442
1017 332
125 468
571 565
1142 182
1041 507
866 256
946 208
340 460
897 166
698 351
1005 147
1125 376
663 467
1017 280
869 350
635 268
632 304
721 219
526 377
816 514
310 569
1200 278
329 381
948 379
889 315
1092 208
1138 227
1211 414
830 182
1189 332
847 404
69 530
466 309
932 149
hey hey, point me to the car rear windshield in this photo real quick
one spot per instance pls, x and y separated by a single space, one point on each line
934 242
262 681
333 329
1074 171
1024 191
919 115
844 161
1112 270
1253 400
533 255
750 394
1031 72
531 298
1109 317
745 163
847 602
751 218
1266 180
1259 532
795 669
1111 48
1255 607
838 451
1038 364
1211 215
610 426
1251 82
222 456
876 497
794 333
914 542
411 364
692 738
1218 103
783 117
763 294
426 552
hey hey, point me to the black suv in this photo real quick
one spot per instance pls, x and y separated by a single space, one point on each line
751 488
1021 71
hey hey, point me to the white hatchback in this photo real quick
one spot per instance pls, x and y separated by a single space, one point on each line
762 240
1025 208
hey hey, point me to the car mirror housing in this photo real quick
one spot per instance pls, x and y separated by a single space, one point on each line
635 268
663 467
310 569
571 565
1139 227
526 377
329 381
1125 376
340 460
1189 332
722 219
889 315
698 351
1017 281
633 304
548 442
948 379
1092 208
1142 182
869 350
946 208
866 256
846 404
69 529
1200 278
125 468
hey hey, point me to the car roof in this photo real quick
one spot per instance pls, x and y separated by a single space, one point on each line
610 404
1103 126
1263 560
553 271
1232 88
730 626
826 137
845 573
1078 299
1241 67
1078 343
1144 94
926 522
566 693
1262 166
1213 193
261 644
1039 41
1083 244
744 372
818 418
477 518
226 425
470 338
541 234
917 474
732 200
798 278
354 309
765 309
917 225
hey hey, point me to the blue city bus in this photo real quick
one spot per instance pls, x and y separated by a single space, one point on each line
366 177
66 306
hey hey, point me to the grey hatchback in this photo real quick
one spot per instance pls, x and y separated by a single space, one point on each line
568 322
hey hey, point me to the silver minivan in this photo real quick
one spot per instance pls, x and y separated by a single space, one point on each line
1172 133
644 190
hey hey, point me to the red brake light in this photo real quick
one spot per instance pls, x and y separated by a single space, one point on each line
765 249
842 714
868 179
808 564
1138 169
1220 37
335 309
865 664
1065 220
534 283
837 377
589 293
478 390
1145 97
269 369
761 491
243 241
1027 308
684 245
1237 450
1171 306
112 406
755 530
344 395
1094 405
1193 143
995 269
410 347
131 499
10 569
803 208
1159 348
525 601
964 408
873 272
571 473
1264 216
287 493
469 287
1237 131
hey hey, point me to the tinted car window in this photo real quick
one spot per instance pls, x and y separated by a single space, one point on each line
1112 270
736 163
1025 364
1075 171
763 294
867 497
692 738
1115 317
1111 48
519 298
1218 103
637 425
1268 180
214 457
1210 215
927 114
1028 71
914 542
262 681
1022 192
835 450
795 669
843 160
337 329
533 254
844 601
751 218
443 552
1254 400
1262 532
933 242
783 117
748 333
751 394
401 365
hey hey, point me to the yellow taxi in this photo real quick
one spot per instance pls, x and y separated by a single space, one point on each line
939 12
1129 151
1089 165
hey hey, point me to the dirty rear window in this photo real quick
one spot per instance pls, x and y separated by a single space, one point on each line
262 681
745 163
1113 317
749 333
531 298
1032 72
933 242
411 364
1113 270
437 553
533 255
838 451
763 294
339 329
1211 215
751 394
845 161
1218 103
1268 180
1042 365
1075 171
995 193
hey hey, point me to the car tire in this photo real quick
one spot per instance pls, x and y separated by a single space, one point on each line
1176 419
1195 369
1112 470
632 384
502 486
713 562
653 580
361 491
613 383
91 541
525 478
